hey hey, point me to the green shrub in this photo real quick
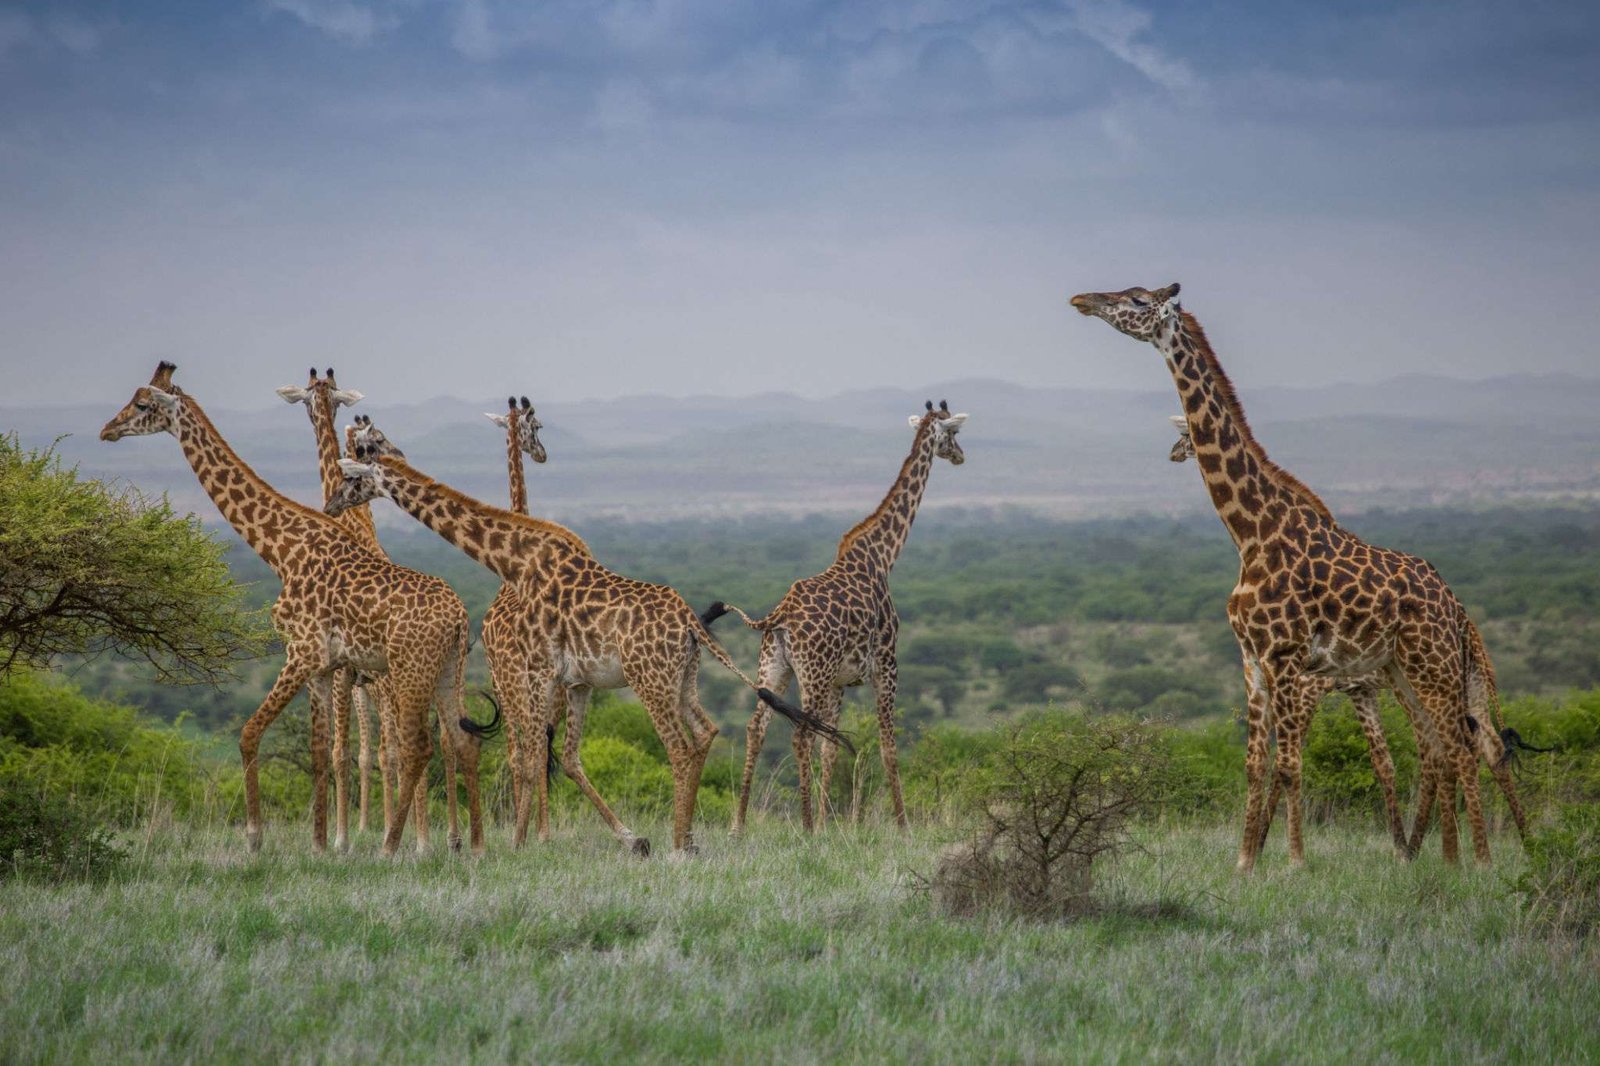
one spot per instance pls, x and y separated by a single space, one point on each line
1561 885
1059 791
49 836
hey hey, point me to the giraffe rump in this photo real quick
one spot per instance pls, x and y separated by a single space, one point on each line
488 729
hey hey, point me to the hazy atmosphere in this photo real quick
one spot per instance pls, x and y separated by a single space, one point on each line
592 200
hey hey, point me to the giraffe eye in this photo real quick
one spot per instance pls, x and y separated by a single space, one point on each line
141 407
1140 301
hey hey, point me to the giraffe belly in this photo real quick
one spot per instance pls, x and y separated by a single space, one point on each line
597 671
1329 655
371 661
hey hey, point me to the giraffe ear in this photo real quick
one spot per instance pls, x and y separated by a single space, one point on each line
165 400
1180 422
954 422
500 420
347 397
293 393
351 468
914 420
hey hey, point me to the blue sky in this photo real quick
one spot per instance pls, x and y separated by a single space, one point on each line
591 199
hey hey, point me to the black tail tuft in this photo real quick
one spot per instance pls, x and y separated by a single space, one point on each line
491 727
804 718
551 763
712 613
1514 742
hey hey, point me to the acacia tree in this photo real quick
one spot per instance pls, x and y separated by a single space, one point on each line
87 567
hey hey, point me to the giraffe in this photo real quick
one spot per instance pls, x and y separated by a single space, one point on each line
1363 693
322 398
839 628
341 606
1312 598
598 630
508 644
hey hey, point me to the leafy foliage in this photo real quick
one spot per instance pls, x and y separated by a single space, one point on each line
84 567
1059 791
1561 885
47 836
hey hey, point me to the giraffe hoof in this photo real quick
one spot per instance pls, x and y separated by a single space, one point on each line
252 840
455 843
640 846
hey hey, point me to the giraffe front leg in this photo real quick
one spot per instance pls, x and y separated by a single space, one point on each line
414 748
1365 701
320 687
361 703
884 689
531 759
1286 773
343 695
388 745
826 708
293 675
1255 762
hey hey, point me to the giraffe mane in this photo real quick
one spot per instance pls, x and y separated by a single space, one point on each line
540 525
848 541
1230 399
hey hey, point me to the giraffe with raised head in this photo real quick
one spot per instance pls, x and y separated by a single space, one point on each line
322 398
839 628
340 606
1363 693
1312 598
595 628
508 643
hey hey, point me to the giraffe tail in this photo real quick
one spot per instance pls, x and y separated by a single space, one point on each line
801 717
719 608
487 729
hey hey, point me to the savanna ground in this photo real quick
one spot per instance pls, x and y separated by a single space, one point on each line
781 948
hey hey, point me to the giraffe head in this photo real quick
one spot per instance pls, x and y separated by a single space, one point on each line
524 424
1140 313
370 441
153 409
363 482
945 426
317 388
1183 447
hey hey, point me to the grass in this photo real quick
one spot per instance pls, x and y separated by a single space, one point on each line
780 948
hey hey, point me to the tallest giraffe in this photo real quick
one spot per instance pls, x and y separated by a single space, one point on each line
1312 598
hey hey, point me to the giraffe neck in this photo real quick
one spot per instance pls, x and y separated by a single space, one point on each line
273 525
880 537
519 487
1249 491
516 547
357 520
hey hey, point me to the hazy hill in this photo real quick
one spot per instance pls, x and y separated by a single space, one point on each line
1404 442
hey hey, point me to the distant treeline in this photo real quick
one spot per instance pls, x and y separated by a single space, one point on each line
1002 609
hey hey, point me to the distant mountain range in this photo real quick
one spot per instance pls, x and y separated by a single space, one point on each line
1409 441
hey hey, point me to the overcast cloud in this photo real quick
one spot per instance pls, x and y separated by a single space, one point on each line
582 199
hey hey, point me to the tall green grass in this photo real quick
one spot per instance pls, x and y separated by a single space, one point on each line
781 948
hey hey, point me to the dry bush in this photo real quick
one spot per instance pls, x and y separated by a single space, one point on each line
1060 791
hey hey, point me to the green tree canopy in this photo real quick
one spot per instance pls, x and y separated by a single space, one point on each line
86 567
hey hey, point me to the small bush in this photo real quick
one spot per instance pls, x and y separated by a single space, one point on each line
48 836
1060 791
1561 885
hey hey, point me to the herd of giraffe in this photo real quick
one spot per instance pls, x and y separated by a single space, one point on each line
1316 609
